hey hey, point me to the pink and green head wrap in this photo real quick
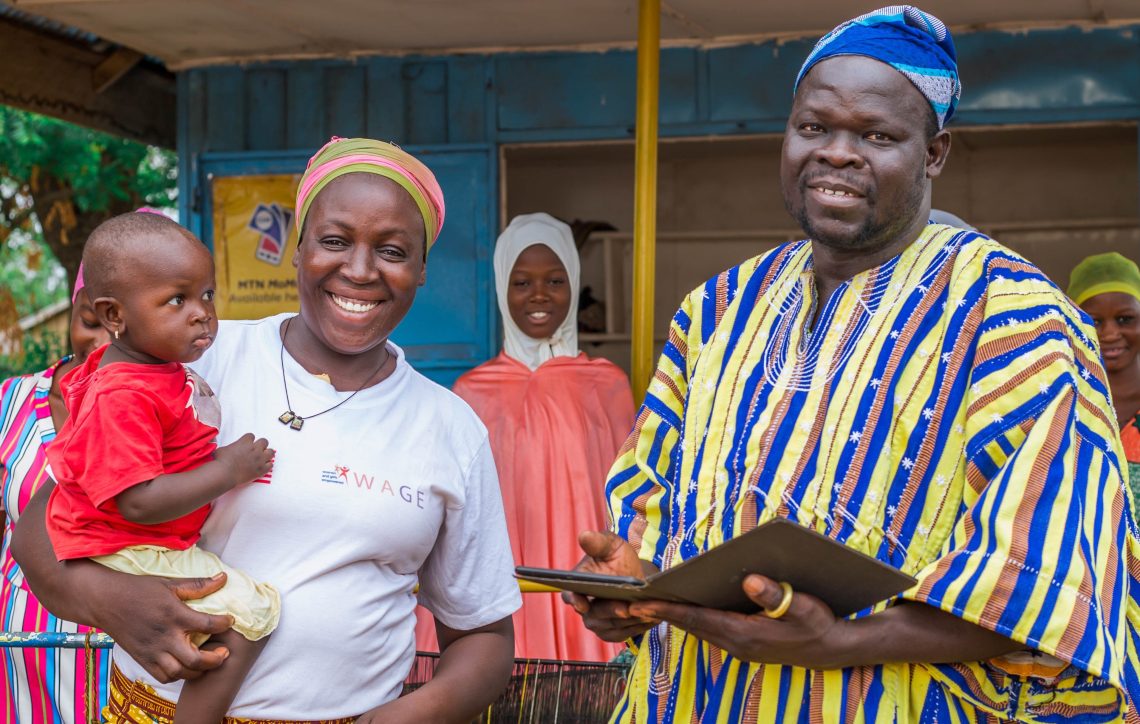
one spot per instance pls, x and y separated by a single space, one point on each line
342 156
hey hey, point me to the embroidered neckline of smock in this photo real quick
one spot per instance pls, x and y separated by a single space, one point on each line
866 298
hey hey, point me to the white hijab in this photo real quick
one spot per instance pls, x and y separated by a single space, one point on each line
524 231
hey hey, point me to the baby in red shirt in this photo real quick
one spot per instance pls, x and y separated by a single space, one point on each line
136 464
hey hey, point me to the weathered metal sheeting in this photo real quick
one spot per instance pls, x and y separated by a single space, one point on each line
42 640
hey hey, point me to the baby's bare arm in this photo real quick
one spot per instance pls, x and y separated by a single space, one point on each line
208 698
172 496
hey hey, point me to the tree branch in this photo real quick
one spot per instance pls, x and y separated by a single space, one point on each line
17 221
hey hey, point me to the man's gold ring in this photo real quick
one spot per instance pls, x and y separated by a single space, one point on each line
785 602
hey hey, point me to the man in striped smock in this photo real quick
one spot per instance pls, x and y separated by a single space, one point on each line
912 390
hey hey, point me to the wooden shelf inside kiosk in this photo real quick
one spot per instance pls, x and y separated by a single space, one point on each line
678 270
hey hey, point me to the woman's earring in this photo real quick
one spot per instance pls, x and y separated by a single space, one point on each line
116 334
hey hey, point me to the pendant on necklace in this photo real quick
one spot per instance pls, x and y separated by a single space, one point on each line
292 419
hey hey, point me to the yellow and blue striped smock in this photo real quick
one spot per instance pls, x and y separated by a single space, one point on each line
948 415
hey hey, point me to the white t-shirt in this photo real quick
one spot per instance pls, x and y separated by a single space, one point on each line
396 481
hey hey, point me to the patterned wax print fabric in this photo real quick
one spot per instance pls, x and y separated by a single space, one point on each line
1130 438
947 415
554 433
37 686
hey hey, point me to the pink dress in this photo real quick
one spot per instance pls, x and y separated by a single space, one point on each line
554 432
38 686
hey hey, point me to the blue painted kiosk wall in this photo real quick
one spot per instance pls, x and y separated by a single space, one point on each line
455 111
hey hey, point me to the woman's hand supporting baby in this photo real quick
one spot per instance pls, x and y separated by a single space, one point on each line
144 614
177 494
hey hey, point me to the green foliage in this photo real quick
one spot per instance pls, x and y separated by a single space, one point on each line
58 181
40 351
30 274
99 168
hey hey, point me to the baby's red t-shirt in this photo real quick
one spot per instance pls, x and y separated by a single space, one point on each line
128 423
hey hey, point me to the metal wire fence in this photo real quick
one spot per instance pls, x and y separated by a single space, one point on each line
539 692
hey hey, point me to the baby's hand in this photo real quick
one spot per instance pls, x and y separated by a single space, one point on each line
248 458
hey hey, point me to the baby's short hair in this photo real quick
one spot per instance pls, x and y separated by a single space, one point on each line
119 241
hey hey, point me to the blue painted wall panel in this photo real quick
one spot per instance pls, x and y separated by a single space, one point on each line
1069 74
265 126
385 99
304 122
191 132
425 102
467 85
565 90
579 91
680 86
345 97
754 82
225 109
584 90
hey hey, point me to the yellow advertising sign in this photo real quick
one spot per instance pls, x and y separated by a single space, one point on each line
254 240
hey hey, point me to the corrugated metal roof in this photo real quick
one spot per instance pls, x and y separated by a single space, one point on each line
48 26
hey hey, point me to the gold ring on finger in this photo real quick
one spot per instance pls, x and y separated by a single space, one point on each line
785 602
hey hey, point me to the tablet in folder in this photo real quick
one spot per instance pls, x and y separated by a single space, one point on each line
845 579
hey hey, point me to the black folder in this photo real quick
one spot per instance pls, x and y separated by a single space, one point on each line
845 579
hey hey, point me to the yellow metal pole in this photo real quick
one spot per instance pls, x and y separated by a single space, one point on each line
645 194
530 587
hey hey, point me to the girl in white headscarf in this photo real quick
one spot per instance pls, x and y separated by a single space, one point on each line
556 419
541 243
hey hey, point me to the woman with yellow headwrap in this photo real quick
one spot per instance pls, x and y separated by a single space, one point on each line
382 480
1107 288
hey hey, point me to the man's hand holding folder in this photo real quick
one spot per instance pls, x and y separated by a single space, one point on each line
719 597
807 623
807 634
610 554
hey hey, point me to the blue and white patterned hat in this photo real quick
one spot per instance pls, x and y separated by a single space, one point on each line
911 41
